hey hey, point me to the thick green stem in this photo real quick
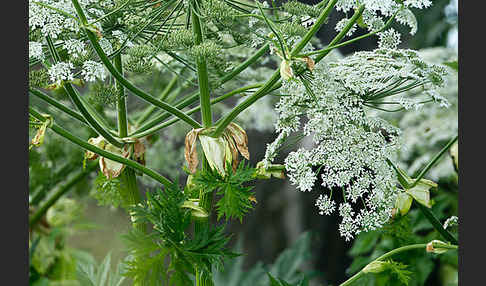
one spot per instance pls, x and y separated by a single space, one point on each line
129 190
202 69
122 80
195 109
194 97
386 255
88 116
205 199
59 193
121 101
80 142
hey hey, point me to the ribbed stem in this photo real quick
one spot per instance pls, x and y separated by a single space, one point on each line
194 97
205 199
129 190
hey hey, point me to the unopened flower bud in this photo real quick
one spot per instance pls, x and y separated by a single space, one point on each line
403 203
437 246
375 267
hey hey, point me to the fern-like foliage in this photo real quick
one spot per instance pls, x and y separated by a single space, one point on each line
168 255
106 191
399 270
235 198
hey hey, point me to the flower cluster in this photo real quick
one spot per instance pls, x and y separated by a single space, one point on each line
45 15
375 10
61 71
426 130
93 70
35 51
74 47
351 150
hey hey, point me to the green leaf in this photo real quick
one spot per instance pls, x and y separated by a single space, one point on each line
453 64
234 197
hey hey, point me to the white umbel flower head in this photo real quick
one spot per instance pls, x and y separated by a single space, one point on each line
74 47
325 204
93 70
342 23
61 71
350 150
35 51
389 39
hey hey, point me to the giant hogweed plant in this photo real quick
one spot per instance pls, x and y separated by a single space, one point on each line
107 46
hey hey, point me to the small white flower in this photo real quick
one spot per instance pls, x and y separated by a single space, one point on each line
61 71
93 70
419 4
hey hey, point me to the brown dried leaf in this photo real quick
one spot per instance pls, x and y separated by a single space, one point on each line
241 139
139 152
112 169
98 142
190 151
234 151
310 63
